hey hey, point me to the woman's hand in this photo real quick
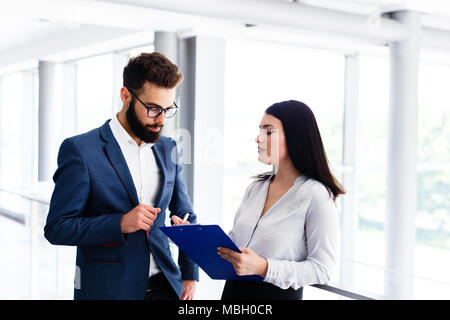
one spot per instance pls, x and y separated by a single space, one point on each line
245 263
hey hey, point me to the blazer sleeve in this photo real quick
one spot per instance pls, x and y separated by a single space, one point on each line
65 223
179 205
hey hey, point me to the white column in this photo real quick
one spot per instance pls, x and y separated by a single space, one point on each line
209 127
69 99
48 122
120 60
168 44
27 134
349 216
202 61
186 115
402 158
1 132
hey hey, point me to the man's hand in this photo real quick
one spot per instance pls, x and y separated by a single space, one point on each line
140 218
188 285
245 263
188 289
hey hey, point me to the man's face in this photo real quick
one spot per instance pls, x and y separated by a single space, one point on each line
145 128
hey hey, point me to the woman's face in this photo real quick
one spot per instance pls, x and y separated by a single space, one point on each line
272 147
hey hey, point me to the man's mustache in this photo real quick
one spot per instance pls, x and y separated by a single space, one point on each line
155 125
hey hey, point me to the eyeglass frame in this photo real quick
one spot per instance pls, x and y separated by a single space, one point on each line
161 109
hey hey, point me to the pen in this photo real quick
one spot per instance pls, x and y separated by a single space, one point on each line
186 216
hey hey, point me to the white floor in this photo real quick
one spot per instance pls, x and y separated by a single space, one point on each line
31 268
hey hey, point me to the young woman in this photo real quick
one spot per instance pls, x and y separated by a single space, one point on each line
287 224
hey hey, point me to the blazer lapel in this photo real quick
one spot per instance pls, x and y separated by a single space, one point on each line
161 159
117 160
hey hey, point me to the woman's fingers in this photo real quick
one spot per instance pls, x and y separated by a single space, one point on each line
228 254
222 253
226 257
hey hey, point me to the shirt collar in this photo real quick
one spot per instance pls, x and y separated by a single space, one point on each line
301 177
122 135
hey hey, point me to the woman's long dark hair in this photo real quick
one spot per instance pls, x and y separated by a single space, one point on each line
304 144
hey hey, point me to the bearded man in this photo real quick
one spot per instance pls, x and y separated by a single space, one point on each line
113 186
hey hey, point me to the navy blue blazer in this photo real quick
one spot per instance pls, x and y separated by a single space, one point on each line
93 189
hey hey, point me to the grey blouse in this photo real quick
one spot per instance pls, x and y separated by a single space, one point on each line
298 235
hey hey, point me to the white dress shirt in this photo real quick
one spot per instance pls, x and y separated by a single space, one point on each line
298 235
144 171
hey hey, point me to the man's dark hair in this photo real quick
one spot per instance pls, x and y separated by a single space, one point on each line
152 67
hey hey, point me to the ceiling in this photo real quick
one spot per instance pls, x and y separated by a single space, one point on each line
25 21
438 7
17 30
436 13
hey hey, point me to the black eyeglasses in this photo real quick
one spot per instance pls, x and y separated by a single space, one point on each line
154 112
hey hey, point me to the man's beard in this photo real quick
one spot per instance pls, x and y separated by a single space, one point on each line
139 129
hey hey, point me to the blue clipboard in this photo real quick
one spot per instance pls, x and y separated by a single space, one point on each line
200 243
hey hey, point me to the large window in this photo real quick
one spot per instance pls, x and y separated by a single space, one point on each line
371 157
18 129
18 152
260 74
432 254
99 80
369 173
432 249
94 91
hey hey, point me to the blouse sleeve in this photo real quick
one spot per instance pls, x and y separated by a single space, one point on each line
322 236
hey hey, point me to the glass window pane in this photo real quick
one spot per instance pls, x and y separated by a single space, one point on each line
432 254
370 167
260 74
11 114
137 51
94 92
